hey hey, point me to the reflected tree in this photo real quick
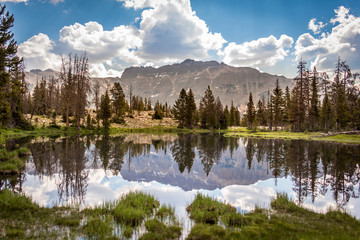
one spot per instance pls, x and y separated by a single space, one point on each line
183 151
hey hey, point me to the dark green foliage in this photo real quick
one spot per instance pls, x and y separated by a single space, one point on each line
204 209
208 232
134 207
190 120
11 203
118 120
314 112
12 162
105 110
118 100
260 113
180 108
278 105
232 115
12 76
158 114
207 110
158 230
250 112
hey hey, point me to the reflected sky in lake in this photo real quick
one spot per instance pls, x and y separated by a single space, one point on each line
244 172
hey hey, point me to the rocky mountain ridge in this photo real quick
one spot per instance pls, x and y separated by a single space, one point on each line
164 83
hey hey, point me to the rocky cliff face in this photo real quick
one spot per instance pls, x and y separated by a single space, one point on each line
164 83
229 83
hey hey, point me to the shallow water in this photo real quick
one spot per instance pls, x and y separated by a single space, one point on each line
88 170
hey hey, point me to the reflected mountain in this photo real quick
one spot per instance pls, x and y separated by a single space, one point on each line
194 161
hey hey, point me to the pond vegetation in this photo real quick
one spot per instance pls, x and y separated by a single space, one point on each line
140 213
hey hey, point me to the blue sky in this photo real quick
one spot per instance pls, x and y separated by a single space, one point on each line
269 35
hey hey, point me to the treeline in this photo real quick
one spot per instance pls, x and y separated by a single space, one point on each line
314 104
12 76
211 114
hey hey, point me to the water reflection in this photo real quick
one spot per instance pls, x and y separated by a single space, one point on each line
192 162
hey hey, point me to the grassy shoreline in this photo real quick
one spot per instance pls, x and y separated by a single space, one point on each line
6 134
309 136
141 213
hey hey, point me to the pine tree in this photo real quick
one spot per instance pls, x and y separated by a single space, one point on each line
237 117
232 114
260 113
227 115
118 100
250 112
278 105
299 106
207 110
326 113
220 117
190 110
314 115
287 105
12 75
105 110
180 107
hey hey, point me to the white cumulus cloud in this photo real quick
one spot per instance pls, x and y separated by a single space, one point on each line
343 41
258 53
316 27
169 31
173 31
38 53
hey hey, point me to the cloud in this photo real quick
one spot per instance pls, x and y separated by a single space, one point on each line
169 31
56 1
343 41
37 52
101 45
16 1
258 53
316 27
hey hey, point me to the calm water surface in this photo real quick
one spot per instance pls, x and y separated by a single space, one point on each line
244 172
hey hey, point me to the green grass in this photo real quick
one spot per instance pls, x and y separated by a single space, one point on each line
11 162
285 220
134 207
204 209
311 136
21 218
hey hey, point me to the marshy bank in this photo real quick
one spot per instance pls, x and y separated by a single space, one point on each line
141 216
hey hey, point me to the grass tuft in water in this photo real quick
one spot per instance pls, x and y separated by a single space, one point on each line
10 162
204 209
134 207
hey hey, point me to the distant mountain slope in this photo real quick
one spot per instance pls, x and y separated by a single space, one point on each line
164 83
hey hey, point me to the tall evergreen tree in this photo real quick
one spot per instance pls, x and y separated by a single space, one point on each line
207 110
180 107
260 113
314 114
220 117
287 105
227 115
12 75
232 114
326 113
105 110
278 105
250 112
118 100
190 110
299 100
